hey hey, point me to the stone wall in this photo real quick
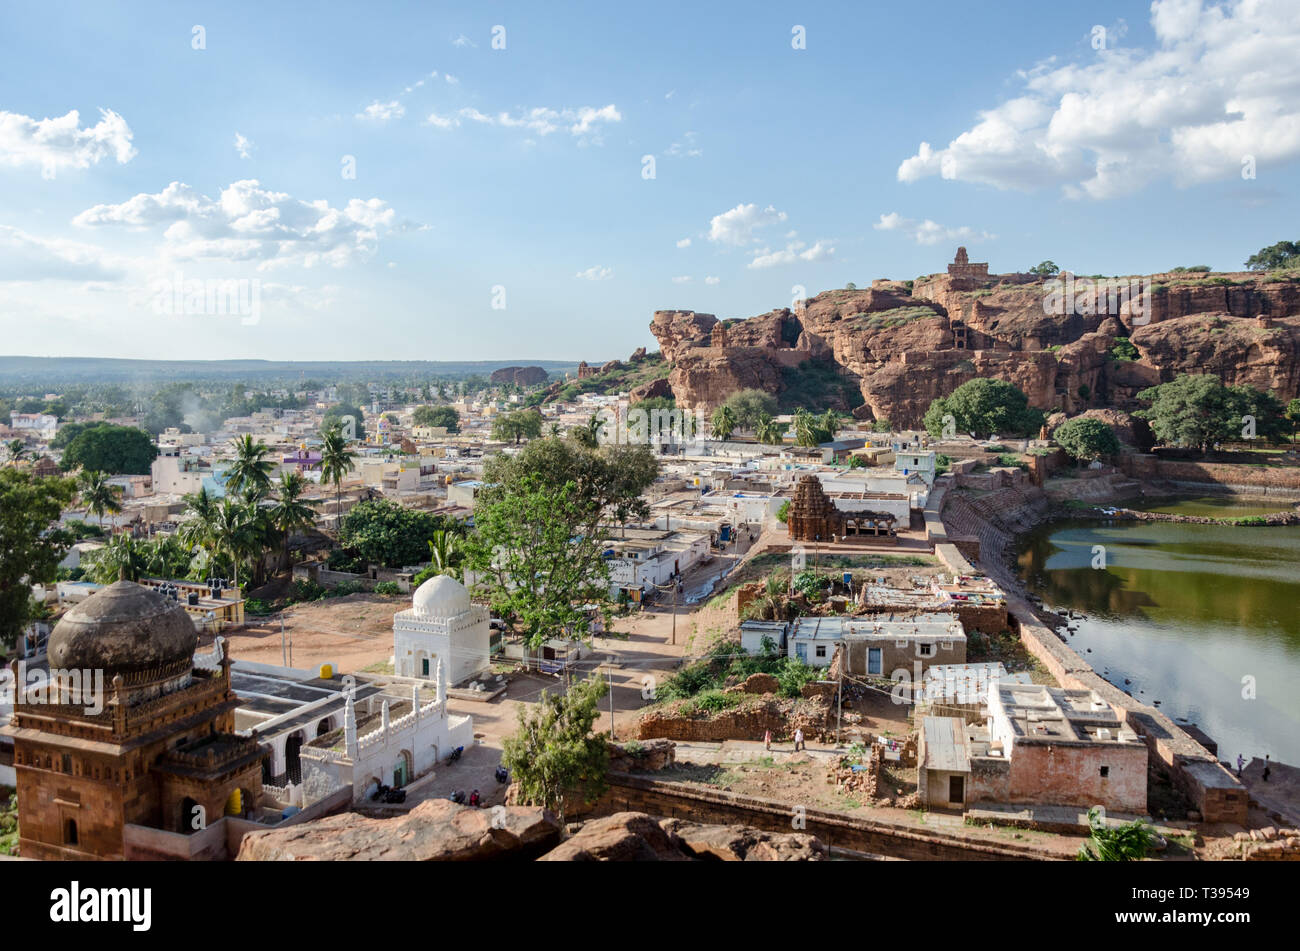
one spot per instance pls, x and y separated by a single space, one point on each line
748 722
1283 482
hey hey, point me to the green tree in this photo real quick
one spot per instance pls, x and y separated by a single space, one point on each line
767 430
120 559
1280 255
541 522
524 423
1293 415
723 422
553 757
806 430
1045 269
1194 411
382 532
984 407
117 450
336 461
16 449
291 512
437 416
783 513
30 543
445 554
1258 410
749 406
1086 439
334 416
1129 842
251 470
98 495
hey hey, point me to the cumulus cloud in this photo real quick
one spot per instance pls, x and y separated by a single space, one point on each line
738 226
792 252
442 122
684 243
686 148
249 223
927 231
243 146
383 111
596 273
1222 84
62 143
684 279
712 280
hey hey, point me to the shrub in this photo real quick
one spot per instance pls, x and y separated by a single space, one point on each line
305 590
257 607
388 587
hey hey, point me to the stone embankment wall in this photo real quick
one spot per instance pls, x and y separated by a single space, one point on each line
1267 481
697 804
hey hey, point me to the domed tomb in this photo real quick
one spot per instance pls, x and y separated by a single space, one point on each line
441 597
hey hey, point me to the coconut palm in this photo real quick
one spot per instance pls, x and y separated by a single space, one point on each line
769 431
98 495
805 428
336 461
291 512
196 528
444 552
724 422
17 449
119 560
250 473
830 422
236 535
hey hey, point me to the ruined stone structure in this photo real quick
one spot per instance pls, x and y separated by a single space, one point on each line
585 371
718 337
814 517
156 748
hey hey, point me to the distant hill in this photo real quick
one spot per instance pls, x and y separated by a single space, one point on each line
51 371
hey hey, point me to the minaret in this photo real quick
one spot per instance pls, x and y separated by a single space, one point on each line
442 689
350 727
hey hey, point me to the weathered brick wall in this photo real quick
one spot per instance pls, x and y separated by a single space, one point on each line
746 723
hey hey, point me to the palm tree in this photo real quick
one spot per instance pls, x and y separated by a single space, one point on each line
119 560
724 422
555 429
196 527
830 422
805 428
251 470
769 431
17 449
98 495
235 533
770 603
444 552
336 461
291 512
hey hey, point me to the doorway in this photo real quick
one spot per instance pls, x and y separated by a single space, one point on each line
956 790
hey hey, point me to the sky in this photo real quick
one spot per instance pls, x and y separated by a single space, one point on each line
516 181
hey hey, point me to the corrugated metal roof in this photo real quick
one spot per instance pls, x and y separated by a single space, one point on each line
945 744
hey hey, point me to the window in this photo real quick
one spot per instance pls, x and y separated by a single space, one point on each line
1105 771
821 650
926 649
70 832
67 763
424 667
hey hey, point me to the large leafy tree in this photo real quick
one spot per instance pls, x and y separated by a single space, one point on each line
538 549
250 472
383 532
117 450
985 407
1282 254
516 426
1086 439
1196 411
98 495
437 416
749 406
554 758
30 544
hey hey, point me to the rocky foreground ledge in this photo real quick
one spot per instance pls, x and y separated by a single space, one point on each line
443 831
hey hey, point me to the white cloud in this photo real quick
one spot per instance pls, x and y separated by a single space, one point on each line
451 80
383 111
596 273
686 149
462 41
794 251
250 223
1223 83
56 144
442 122
738 225
684 279
712 280
928 232
25 257
580 123
684 243
243 146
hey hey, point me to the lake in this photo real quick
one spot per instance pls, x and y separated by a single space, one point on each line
1195 616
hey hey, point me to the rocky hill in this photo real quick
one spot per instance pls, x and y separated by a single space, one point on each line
890 349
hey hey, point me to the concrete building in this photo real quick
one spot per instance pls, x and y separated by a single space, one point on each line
441 625
884 645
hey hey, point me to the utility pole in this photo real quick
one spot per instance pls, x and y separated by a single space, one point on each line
284 657
677 587
609 672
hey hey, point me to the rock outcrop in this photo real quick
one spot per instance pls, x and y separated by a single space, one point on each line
901 345
744 844
520 376
436 830
636 837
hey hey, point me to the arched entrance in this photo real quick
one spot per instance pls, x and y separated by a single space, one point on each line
323 727
403 769
292 761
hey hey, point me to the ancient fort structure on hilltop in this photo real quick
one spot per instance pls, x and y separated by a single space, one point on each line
902 344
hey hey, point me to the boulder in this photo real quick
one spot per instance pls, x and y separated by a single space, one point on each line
622 837
735 843
436 830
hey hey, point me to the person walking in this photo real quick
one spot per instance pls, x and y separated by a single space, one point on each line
798 739
1241 763
1266 767
767 740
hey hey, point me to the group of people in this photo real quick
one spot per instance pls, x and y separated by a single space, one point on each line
798 740
1241 764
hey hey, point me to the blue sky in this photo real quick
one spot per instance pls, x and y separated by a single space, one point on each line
479 169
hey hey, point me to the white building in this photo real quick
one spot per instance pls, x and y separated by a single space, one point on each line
441 624
41 425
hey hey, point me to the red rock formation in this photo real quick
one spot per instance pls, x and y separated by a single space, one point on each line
521 376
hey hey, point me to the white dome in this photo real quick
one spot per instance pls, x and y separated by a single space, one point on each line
441 596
